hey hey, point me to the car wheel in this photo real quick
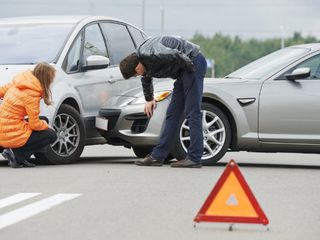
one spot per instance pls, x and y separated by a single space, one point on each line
216 135
71 138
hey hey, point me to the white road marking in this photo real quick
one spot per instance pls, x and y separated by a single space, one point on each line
5 202
34 208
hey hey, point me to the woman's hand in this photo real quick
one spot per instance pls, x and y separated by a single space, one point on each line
149 107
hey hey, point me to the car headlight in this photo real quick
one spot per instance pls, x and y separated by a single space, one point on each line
158 96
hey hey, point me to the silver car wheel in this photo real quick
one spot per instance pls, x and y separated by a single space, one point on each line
68 133
214 134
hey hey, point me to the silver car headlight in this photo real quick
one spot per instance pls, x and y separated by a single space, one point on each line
158 96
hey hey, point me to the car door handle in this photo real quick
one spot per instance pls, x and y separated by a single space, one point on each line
246 101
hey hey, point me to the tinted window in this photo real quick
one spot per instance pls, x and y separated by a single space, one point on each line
73 58
94 43
119 40
314 65
32 43
137 36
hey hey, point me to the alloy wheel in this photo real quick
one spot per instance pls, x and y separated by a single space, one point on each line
68 133
214 134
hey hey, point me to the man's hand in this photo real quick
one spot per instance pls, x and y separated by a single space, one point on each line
149 107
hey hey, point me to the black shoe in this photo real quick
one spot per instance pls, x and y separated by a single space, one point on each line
25 163
149 161
9 155
186 163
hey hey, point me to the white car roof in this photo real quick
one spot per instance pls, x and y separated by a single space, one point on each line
54 19
311 46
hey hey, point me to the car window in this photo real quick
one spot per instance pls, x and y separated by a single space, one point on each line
32 43
269 64
94 43
119 41
137 35
73 58
314 64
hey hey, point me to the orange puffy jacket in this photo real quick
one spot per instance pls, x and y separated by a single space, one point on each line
21 98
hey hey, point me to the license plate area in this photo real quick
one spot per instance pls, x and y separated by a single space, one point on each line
102 123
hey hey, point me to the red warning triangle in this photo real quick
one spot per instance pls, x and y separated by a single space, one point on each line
231 200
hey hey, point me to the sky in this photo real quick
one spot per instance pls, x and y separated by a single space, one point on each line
244 18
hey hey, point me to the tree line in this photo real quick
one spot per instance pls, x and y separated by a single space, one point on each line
231 53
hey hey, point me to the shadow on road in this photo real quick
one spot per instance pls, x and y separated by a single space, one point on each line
84 160
130 160
108 160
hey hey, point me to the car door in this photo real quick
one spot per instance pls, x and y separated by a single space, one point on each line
120 44
289 110
92 85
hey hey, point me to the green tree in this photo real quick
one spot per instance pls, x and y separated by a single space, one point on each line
231 53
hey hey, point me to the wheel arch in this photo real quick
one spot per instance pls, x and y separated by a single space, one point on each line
73 103
230 117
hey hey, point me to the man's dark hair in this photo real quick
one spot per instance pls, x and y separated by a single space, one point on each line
128 65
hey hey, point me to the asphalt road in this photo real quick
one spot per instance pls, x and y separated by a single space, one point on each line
105 196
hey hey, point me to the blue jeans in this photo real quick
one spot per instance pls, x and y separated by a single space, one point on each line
187 98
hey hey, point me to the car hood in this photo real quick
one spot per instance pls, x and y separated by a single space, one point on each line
167 84
223 80
158 85
8 72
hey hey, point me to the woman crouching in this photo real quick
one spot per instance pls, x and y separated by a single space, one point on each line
22 132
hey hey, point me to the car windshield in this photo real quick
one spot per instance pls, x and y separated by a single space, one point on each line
269 64
32 43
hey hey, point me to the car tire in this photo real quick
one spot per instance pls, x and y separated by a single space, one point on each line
213 151
71 138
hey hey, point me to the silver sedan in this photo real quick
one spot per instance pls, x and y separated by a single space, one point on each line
269 105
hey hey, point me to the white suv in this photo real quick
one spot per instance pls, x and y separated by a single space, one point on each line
86 51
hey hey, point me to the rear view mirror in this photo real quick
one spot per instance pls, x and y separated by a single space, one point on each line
96 62
299 73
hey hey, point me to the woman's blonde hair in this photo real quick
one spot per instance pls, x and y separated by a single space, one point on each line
45 73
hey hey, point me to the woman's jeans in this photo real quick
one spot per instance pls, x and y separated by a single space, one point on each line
36 142
187 98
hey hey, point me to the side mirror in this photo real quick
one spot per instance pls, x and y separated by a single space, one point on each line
96 62
299 73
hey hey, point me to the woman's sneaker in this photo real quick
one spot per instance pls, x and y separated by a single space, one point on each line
25 163
9 155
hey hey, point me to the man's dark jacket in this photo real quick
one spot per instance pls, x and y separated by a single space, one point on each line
163 57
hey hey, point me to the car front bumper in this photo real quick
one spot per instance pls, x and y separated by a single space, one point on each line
129 126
